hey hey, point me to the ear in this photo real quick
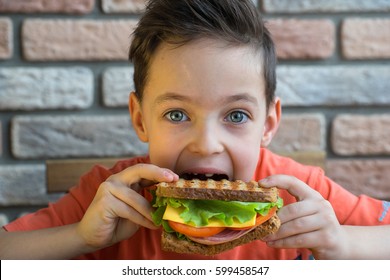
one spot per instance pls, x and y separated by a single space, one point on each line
271 122
137 117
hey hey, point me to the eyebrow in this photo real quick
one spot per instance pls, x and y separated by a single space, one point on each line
240 97
170 96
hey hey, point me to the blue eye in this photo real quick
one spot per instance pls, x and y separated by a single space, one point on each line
237 117
176 116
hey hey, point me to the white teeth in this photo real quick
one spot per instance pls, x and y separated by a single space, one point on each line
209 175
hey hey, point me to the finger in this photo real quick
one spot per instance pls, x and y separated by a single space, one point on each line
129 213
131 198
322 219
147 173
294 186
299 209
297 226
304 240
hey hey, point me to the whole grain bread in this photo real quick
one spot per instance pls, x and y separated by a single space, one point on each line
170 243
217 190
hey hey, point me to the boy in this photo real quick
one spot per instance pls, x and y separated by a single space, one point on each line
204 102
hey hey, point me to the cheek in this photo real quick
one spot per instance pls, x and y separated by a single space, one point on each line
245 162
245 154
163 152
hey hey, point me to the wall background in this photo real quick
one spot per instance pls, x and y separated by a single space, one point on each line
64 83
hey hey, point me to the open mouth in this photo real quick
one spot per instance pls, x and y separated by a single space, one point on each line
204 177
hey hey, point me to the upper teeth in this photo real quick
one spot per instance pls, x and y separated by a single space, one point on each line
207 174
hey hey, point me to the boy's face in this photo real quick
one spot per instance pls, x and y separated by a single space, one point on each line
204 109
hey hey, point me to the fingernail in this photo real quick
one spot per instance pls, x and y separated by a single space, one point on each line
168 175
264 180
171 176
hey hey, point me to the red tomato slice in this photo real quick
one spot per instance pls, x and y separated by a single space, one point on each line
259 220
195 231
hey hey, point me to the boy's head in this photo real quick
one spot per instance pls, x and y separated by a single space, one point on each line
178 22
205 81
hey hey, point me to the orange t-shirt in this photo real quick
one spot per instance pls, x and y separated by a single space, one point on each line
145 244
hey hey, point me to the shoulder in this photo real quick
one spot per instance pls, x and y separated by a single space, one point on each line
270 163
71 207
273 164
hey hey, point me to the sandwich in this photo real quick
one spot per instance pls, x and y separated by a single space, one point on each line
209 217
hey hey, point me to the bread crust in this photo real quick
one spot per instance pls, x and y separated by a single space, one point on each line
170 243
217 190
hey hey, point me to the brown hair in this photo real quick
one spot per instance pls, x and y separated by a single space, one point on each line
179 22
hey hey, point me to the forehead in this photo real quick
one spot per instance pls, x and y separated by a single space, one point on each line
201 50
205 65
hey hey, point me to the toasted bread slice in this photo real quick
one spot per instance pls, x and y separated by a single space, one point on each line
217 190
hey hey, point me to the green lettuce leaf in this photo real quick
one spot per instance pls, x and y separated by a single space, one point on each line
200 212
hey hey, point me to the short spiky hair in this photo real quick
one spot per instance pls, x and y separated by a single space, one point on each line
178 22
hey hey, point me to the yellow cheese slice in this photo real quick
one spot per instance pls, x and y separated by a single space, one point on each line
172 214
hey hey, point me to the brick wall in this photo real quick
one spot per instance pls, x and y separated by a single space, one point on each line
64 83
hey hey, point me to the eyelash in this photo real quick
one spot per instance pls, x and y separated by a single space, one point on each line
243 117
183 117
169 116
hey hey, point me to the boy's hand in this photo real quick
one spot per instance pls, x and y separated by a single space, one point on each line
118 209
309 223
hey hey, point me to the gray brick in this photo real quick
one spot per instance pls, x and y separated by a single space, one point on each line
6 42
333 85
24 184
300 132
130 6
85 40
45 88
317 6
123 6
74 136
117 84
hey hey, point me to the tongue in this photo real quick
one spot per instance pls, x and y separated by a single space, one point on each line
225 236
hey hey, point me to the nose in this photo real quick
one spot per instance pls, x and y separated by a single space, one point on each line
206 140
